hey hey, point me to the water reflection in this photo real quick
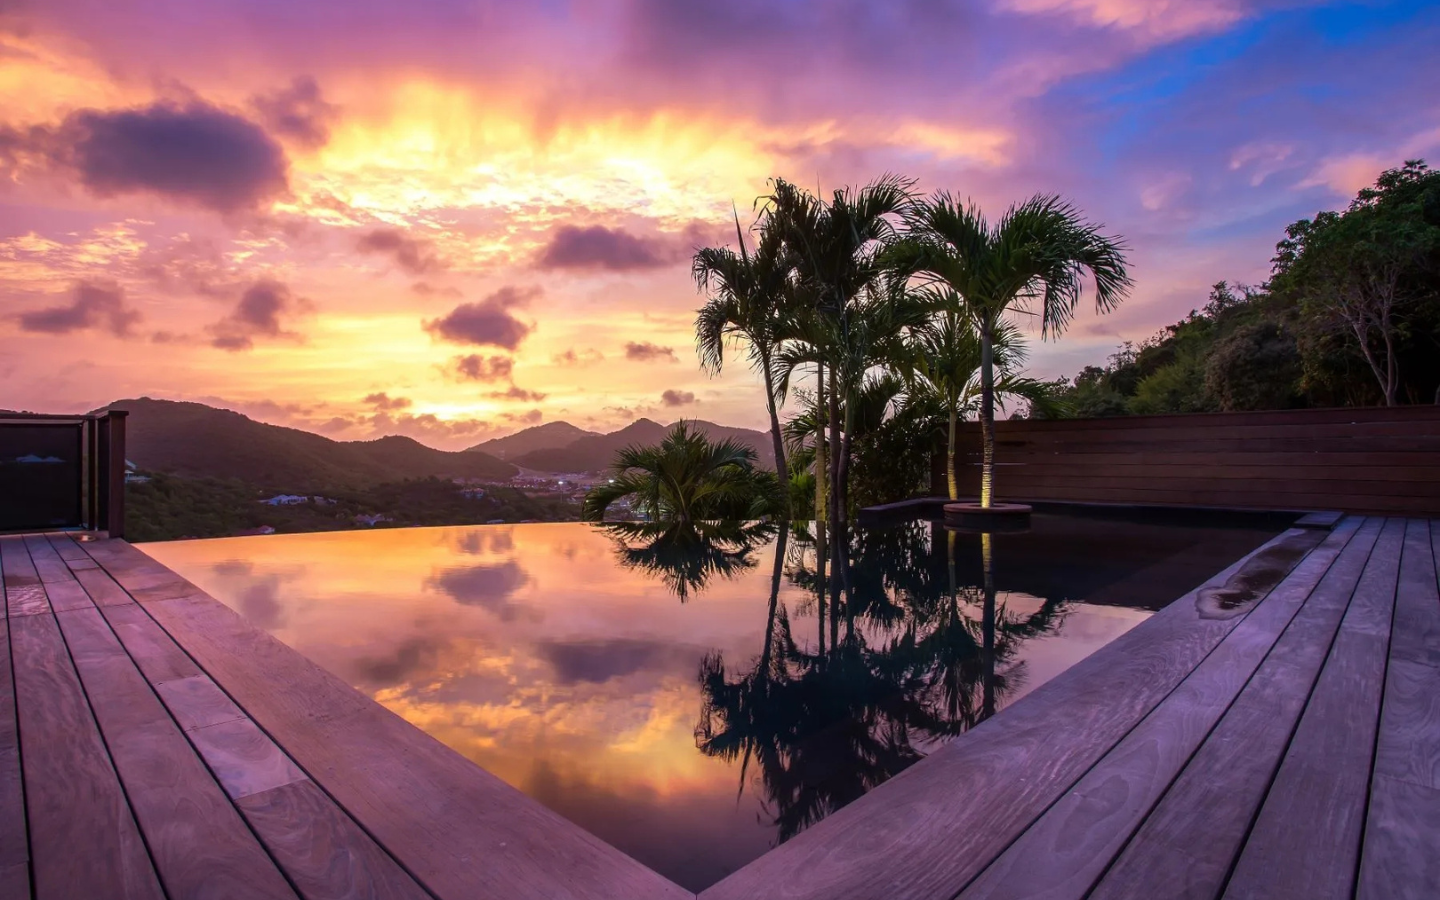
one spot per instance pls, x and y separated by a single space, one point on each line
694 696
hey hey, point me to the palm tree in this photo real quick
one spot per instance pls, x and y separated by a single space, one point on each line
1034 260
687 478
747 294
942 362
838 251
686 556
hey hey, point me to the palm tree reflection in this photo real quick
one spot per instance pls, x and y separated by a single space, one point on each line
686 555
920 658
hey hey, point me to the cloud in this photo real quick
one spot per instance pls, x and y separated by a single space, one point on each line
581 358
598 247
475 367
517 393
297 113
485 585
645 351
258 314
384 401
529 417
487 322
677 398
411 254
425 289
195 154
599 661
92 305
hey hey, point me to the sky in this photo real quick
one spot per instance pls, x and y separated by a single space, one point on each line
452 220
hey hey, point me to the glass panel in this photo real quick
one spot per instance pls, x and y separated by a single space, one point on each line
40 466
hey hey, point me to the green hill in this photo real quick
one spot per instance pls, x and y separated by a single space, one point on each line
592 454
550 436
196 440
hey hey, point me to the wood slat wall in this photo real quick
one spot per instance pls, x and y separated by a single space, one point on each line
1357 460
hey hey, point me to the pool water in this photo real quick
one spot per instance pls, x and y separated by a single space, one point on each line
696 695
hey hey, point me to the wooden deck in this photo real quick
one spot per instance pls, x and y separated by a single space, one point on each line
153 744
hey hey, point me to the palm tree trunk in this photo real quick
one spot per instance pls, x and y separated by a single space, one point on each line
987 708
822 466
987 417
782 471
833 401
822 555
843 498
775 574
950 456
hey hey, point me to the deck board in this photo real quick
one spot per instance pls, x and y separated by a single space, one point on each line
1064 852
73 797
14 843
1305 843
1249 755
912 840
176 801
427 805
1181 855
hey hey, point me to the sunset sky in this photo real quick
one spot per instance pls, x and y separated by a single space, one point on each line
453 219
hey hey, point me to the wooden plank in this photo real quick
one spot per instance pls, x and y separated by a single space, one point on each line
456 828
1065 851
200 845
152 649
66 595
48 564
1306 841
18 570
934 827
72 795
322 850
1401 834
1402 826
244 758
196 702
65 545
1178 853
26 600
14 844
1416 635
103 589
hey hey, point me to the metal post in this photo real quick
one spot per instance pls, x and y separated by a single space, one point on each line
115 504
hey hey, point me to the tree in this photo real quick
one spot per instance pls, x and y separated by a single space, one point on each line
1366 272
688 478
747 294
838 250
1034 260
943 361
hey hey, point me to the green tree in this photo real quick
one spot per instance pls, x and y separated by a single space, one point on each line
747 302
688 478
1034 259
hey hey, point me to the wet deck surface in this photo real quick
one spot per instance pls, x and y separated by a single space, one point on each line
1274 734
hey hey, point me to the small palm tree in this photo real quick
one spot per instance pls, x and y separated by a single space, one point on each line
747 298
688 478
1034 260
942 364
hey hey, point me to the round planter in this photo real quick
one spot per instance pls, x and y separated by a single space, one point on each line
996 517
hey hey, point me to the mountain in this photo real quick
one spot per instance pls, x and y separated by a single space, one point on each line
550 436
198 440
592 454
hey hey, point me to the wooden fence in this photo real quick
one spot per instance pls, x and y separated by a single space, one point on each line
1357 460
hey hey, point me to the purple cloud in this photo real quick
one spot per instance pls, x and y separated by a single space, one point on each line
258 314
382 400
677 398
92 305
581 358
297 112
488 322
598 247
195 154
475 367
515 392
645 351
411 254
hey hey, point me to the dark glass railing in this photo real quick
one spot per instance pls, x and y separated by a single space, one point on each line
62 472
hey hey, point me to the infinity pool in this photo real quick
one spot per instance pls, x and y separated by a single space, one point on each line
695 696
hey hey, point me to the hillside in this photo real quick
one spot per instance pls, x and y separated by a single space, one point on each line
200 441
592 454
550 436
